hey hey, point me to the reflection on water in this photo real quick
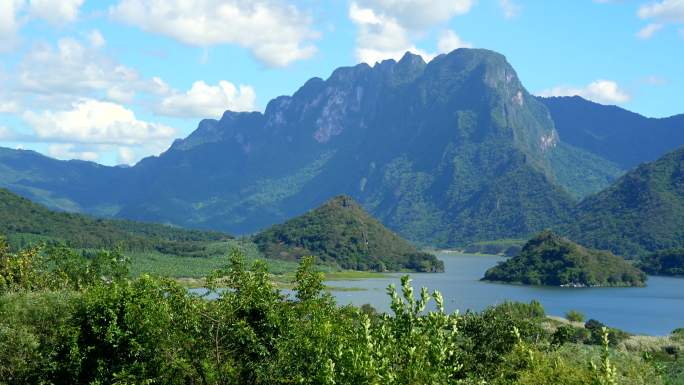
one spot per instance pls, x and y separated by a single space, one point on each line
656 309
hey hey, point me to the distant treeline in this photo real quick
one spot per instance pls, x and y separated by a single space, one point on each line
26 223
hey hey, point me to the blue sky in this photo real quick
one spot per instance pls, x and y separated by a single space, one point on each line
114 81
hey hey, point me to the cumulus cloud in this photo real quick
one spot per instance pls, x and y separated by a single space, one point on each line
96 39
416 14
510 8
96 122
600 91
449 41
54 77
660 13
9 24
275 33
203 100
380 37
68 151
664 11
55 12
8 107
126 155
386 28
15 13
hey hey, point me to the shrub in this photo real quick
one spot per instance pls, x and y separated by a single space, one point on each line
574 316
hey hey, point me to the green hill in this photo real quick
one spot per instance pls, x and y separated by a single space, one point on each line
551 260
341 233
24 222
665 262
643 212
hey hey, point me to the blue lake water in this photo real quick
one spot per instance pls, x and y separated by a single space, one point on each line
655 310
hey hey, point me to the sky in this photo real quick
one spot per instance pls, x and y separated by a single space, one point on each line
114 81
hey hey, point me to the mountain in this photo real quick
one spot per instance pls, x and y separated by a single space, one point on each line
445 152
24 222
612 133
551 260
641 213
74 185
341 233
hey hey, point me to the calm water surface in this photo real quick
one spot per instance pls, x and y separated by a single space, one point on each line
656 309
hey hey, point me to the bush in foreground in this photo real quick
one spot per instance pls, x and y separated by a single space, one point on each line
113 330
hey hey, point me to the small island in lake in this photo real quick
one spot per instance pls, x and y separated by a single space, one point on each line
342 234
551 260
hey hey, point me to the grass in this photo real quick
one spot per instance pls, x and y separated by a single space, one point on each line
351 275
190 271
197 267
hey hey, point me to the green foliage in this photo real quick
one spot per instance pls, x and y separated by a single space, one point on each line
58 267
38 336
490 337
598 332
678 334
551 260
506 247
574 316
580 172
341 234
26 223
642 213
151 330
666 262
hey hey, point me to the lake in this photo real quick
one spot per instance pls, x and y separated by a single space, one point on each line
654 310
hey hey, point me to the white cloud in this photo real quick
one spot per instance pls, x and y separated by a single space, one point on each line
6 133
8 107
386 28
379 37
510 8
55 77
68 151
95 122
15 13
600 91
449 41
55 12
275 33
126 155
96 39
416 14
664 11
9 24
203 100
648 31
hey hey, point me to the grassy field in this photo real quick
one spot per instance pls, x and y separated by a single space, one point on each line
197 267
190 271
